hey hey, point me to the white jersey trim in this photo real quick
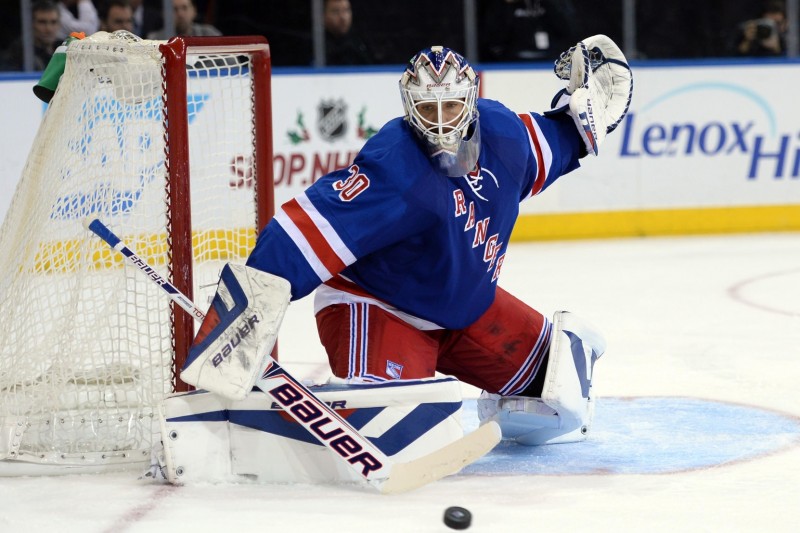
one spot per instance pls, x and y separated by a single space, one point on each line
327 230
305 247
547 154
326 296
543 163
330 236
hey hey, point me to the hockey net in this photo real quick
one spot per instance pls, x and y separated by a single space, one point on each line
169 145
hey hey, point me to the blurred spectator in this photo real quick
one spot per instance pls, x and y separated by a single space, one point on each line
342 45
147 16
185 13
77 16
526 30
46 25
764 36
116 15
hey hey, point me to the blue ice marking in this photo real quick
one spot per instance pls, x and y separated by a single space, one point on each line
648 435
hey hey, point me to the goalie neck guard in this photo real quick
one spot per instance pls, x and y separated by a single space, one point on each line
439 90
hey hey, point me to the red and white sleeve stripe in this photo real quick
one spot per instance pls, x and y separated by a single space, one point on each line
541 152
315 237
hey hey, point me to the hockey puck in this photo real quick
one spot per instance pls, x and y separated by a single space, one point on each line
457 518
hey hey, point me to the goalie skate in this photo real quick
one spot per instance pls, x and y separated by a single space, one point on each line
565 410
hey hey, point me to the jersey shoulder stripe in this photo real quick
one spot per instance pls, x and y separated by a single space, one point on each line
321 246
541 152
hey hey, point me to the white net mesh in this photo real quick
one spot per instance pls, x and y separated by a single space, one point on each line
86 343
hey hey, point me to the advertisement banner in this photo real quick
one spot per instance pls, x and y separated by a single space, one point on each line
321 122
695 136
698 140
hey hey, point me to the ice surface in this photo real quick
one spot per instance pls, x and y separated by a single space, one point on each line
697 425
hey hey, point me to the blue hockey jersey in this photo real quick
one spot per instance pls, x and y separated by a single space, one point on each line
393 230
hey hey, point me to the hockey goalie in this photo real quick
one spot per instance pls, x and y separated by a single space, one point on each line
404 249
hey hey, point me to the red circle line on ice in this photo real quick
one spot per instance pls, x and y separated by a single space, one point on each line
740 292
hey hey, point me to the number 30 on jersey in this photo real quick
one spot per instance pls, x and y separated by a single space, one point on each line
354 185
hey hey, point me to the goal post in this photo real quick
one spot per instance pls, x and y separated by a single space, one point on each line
170 145
175 54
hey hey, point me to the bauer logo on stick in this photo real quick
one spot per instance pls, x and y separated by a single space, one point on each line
147 269
310 412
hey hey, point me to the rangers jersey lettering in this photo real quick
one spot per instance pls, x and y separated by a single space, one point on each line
414 240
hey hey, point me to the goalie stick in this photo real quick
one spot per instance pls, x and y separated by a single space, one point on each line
322 422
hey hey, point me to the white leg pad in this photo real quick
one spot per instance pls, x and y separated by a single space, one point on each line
565 411
238 333
195 435
210 439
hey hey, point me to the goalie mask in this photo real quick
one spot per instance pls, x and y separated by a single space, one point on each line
439 91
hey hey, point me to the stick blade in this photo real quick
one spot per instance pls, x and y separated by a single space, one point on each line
443 462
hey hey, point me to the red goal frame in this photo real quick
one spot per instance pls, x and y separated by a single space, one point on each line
176 125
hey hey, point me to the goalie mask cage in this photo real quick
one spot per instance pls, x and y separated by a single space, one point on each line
169 144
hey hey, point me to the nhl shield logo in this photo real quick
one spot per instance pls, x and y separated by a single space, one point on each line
332 119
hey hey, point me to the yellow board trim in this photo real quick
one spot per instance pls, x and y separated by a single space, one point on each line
208 245
709 220
235 244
